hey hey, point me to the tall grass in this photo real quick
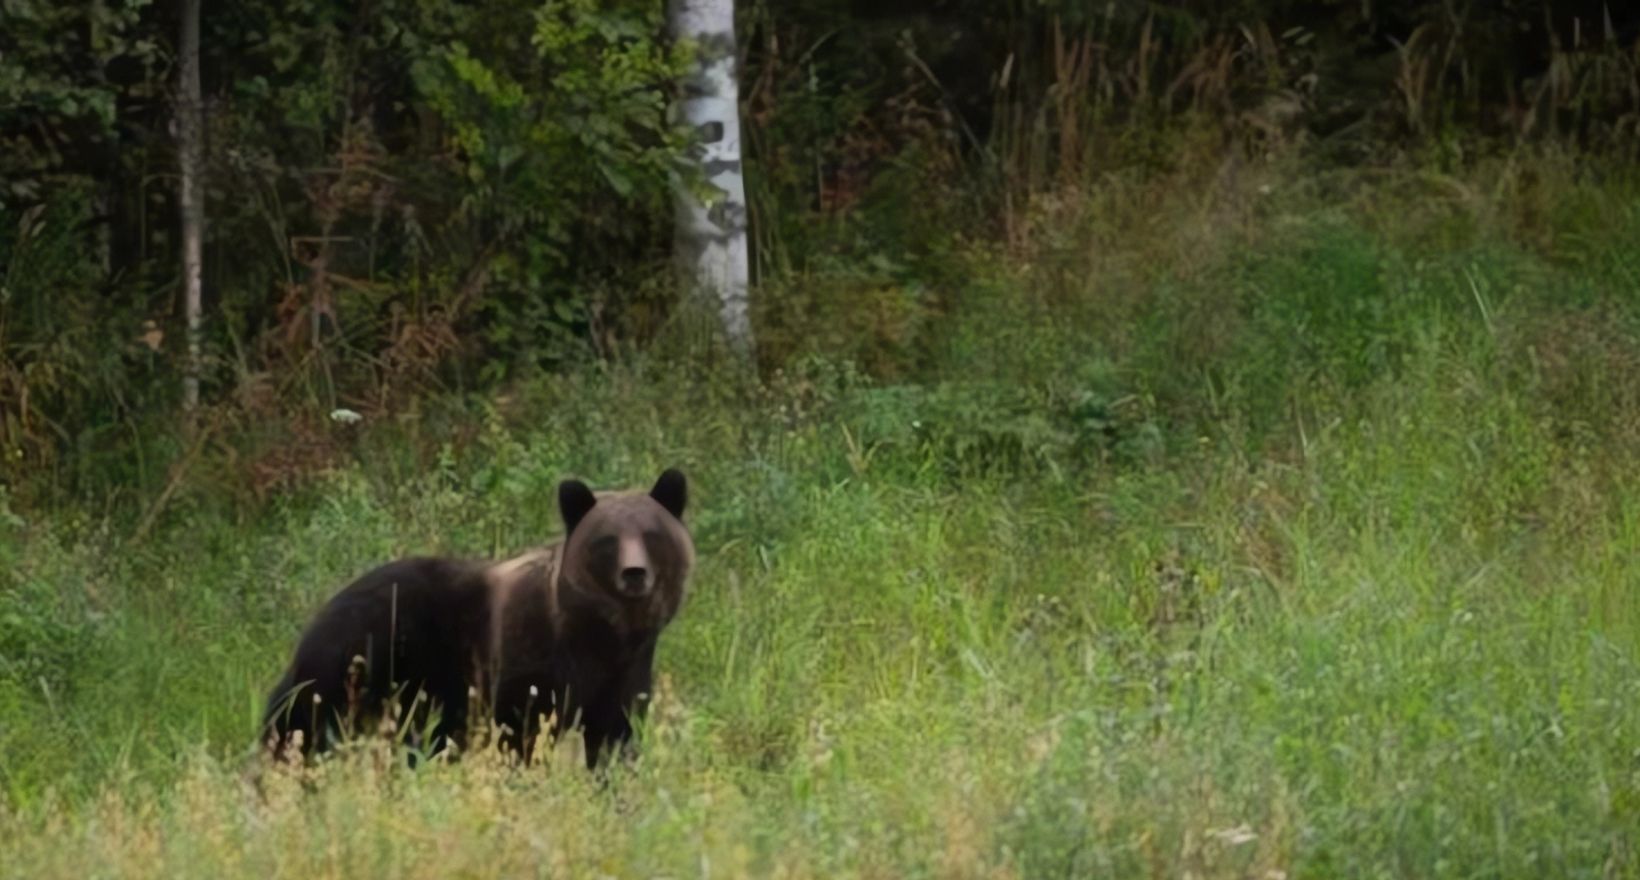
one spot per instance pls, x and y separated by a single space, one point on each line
1282 529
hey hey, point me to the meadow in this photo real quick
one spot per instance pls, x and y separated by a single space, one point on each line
1282 526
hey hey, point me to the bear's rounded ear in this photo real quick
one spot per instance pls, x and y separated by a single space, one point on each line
575 500
671 492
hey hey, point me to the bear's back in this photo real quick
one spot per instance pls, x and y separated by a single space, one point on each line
414 621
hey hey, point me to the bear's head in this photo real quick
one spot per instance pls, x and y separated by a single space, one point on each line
626 557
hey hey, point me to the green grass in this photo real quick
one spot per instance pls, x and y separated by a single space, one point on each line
1309 554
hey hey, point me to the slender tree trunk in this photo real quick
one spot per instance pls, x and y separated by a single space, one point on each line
711 241
191 156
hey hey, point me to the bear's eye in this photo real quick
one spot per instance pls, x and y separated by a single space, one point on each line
604 547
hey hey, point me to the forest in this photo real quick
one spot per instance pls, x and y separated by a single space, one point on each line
1179 438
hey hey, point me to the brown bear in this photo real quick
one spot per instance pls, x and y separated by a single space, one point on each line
566 632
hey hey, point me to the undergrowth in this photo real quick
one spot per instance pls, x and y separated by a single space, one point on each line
1280 529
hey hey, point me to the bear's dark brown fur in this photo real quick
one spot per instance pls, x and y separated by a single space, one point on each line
567 631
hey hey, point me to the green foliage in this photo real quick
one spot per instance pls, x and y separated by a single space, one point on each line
561 142
410 196
63 70
1055 607
1128 486
67 354
46 626
403 196
590 105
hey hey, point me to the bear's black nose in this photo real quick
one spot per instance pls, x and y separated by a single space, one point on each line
634 580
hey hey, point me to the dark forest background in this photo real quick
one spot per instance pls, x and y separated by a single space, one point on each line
408 198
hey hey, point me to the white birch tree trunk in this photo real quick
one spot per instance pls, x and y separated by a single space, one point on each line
191 156
711 241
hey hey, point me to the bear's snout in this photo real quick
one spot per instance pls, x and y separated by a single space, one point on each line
635 580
